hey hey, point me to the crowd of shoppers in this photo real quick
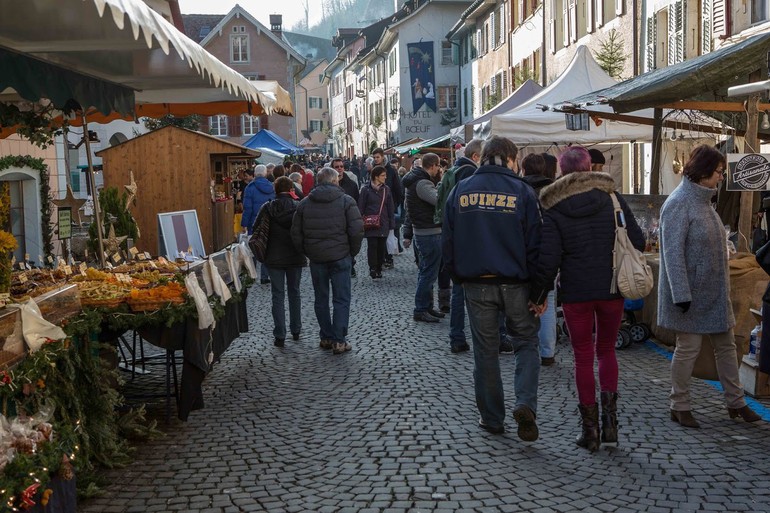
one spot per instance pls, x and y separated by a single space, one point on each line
508 233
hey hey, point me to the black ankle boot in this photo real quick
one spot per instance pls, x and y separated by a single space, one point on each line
589 438
609 417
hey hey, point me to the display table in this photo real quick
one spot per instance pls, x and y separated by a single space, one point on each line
200 349
747 285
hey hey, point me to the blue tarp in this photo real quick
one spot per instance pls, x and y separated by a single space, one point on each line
267 139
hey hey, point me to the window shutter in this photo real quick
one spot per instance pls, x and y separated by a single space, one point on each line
719 27
521 11
599 13
651 42
706 18
573 20
505 82
619 7
676 31
565 22
681 53
493 27
589 16
500 27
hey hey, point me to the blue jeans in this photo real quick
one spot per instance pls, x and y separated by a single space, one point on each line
281 282
429 252
457 316
484 302
264 272
333 326
547 333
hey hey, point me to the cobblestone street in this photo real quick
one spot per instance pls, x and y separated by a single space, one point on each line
392 427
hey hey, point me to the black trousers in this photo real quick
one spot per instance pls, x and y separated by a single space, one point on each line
375 252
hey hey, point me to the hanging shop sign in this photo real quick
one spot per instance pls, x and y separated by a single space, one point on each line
748 171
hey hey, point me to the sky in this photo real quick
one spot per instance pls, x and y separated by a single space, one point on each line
292 10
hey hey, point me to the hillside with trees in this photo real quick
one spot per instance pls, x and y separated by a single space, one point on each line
344 14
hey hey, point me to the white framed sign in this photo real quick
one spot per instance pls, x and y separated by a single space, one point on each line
179 231
748 172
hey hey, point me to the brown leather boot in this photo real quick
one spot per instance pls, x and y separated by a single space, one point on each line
684 418
745 413
609 417
589 438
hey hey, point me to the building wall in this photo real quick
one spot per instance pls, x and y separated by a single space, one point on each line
311 87
431 23
493 65
561 47
267 61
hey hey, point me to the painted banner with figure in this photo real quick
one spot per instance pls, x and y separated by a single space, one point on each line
421 74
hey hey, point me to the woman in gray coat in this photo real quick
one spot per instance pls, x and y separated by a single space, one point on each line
694 285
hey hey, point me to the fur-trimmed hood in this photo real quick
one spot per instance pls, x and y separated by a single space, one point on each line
586 192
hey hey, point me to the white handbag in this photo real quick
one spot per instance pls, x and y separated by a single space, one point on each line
631 276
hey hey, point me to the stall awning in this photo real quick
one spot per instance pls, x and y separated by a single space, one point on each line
705 78
124 44
416 147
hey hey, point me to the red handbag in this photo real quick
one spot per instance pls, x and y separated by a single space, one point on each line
374 221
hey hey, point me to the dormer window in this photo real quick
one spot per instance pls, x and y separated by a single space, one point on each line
204 31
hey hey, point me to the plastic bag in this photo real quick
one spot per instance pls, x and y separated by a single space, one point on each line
205 315
392 243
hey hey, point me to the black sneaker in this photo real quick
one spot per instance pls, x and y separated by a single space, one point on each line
506 346
388 265
525 418
459 348
425 317
547 361
278 342
295 336
434 313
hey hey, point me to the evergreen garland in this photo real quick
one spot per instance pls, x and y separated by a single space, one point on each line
46 227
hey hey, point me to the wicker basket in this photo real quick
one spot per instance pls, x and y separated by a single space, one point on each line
102 303
147 306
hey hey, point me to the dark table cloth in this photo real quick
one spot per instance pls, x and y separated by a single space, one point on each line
200 349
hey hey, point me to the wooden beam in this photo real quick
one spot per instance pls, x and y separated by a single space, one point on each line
751 145
712 106
669 123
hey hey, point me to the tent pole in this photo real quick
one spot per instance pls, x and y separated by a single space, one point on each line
657 136
94 193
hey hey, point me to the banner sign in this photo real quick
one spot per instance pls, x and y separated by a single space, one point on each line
65 222
748 171
421 74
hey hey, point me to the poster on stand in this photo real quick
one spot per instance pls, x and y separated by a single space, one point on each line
180 232
748 171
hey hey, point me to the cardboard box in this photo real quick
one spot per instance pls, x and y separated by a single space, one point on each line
755 383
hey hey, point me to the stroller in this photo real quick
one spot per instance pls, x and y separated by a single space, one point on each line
630 330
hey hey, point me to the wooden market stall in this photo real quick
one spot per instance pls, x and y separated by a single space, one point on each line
176 169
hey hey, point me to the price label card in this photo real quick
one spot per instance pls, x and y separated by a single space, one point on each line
28 266
162 261
5 298
133 252
117 258
147 255
23 278
50 259
108 265
26 257
67 270
140 257
22 266
83 267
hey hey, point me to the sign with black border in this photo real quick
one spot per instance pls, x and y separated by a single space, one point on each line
748 172
65 222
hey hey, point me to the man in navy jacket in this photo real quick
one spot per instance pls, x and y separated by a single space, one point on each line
491 234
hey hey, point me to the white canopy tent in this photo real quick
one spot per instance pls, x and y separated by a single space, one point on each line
479 128
531 124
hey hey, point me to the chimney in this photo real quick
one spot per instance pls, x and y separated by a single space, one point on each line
276 20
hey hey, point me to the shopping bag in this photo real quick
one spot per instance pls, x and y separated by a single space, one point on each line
392 243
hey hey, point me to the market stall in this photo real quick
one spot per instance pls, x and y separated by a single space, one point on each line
176 169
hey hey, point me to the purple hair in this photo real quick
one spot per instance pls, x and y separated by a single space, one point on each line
574 159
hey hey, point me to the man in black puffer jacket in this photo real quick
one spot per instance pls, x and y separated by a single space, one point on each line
328 229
